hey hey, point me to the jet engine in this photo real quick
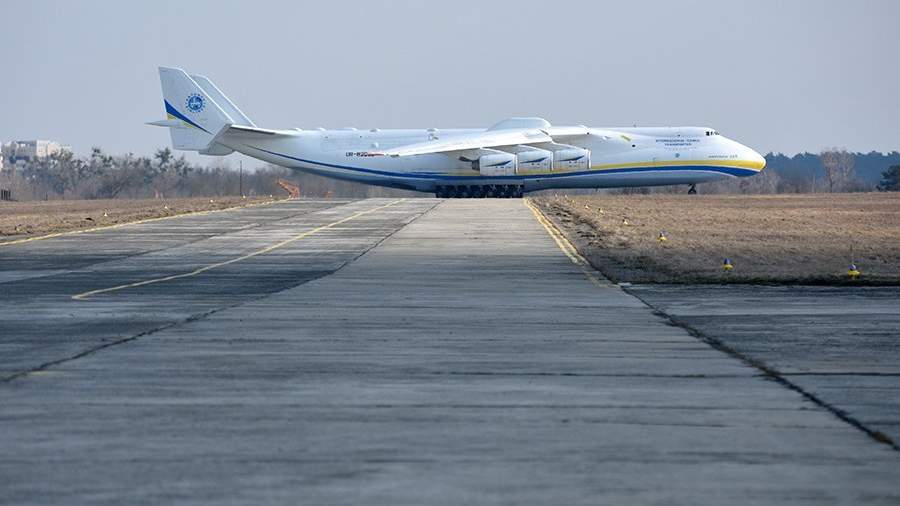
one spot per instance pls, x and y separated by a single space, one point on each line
531 158
569 158
491 162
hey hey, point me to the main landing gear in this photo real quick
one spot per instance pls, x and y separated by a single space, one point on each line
502 191
692 190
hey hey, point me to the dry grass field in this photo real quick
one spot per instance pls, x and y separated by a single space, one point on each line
27 219
768 238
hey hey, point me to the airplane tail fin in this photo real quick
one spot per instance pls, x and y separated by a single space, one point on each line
197 112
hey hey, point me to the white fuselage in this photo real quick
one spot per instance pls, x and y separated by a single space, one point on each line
514 156
619 157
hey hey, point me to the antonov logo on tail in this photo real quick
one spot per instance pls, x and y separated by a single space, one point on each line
195 103
515 156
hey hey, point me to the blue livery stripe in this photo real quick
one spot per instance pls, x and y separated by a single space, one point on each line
732 171
174 112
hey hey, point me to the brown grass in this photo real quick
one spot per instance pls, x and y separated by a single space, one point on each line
27 219
768 238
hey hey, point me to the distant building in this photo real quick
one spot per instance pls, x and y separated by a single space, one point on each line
15 151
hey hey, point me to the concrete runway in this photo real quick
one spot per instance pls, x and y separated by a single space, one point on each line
839 345
386 352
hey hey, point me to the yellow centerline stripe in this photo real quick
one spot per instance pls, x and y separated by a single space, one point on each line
567 247
136 222
267 249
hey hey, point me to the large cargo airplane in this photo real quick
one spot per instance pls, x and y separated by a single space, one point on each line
515 156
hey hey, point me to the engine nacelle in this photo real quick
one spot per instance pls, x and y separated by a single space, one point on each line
495 163
529 158
568 158
571 159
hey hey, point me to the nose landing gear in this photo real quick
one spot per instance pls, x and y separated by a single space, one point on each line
692 190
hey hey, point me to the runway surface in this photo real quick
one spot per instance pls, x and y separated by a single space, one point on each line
840 345
387 351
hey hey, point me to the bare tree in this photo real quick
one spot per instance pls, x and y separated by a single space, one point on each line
838 165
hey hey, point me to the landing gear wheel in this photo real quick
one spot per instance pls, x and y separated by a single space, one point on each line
692 190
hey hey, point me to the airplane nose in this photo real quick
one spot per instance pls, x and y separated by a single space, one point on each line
759 159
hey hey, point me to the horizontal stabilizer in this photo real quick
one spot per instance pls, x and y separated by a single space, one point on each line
248 132
171 123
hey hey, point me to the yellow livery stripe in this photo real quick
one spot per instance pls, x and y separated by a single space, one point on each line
743 164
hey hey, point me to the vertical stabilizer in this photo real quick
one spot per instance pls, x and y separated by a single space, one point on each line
194 117
224 102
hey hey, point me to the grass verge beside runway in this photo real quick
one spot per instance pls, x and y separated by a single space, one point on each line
22 220
809 239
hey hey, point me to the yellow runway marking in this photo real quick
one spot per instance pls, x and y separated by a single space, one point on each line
267 249
147 220
568 248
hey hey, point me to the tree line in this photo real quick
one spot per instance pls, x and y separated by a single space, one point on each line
831 170
163 175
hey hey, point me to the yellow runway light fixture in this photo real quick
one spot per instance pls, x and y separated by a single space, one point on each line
852 271
662 237
727 266
624 222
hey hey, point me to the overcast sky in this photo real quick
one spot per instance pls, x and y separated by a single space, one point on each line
781 75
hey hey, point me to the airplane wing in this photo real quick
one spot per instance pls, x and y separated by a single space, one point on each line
488 139
567 131
476 140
